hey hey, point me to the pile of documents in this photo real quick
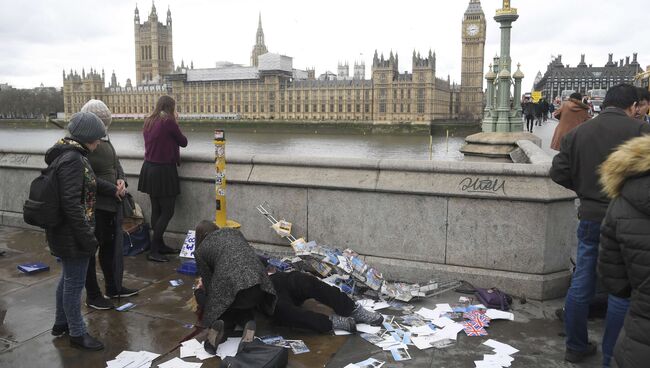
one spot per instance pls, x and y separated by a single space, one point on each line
427 328
132 359
368 363
297 346
179 363
500 358
334 264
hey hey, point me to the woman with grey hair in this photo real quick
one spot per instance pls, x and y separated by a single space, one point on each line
107 167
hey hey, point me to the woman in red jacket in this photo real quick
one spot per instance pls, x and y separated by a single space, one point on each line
159 176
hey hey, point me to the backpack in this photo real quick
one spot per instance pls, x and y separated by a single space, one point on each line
259 355
494 298
42 207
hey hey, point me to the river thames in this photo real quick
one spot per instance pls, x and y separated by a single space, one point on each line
410 143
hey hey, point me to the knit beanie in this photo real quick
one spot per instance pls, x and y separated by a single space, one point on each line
100 109
86 127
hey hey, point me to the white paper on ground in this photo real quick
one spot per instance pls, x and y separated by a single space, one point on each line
342 332
179 363
450 331
396 346
444 308
484 364
421 330
228 347
136 359
443 321
363 327
503 360
380 305
427 313
500 348
497 314
422 342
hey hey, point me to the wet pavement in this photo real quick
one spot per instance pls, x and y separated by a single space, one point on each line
162 318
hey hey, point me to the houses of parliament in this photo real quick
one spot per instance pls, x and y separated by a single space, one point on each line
272 89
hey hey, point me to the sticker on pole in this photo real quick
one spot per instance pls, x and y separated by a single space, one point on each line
187 251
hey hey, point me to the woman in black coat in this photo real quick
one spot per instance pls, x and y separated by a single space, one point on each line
73 241
624 256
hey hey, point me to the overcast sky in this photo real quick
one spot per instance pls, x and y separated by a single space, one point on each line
39 38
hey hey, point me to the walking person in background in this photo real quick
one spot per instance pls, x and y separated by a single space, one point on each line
571 114
159 176
106 166
74 240
539 113
529 113
625 248
575 167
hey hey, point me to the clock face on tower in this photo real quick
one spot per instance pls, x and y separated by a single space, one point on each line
472 29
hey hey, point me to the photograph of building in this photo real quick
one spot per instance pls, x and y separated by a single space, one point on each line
270 88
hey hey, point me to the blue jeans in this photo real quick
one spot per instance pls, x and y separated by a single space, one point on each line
616 311
68 295
581 293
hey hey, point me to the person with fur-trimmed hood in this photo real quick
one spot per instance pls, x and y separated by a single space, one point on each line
624 255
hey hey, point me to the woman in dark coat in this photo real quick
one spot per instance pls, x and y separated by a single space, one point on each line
159 176
73 241
234 280
624 255
106 166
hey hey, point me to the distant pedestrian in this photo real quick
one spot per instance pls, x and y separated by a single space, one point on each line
571 114
539 113
107 167
545 109
551 109
74 240
159 175
625 246
575 167
529 114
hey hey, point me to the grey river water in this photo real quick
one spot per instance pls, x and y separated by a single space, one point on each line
288 141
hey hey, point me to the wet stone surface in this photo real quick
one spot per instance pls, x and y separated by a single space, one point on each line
161 319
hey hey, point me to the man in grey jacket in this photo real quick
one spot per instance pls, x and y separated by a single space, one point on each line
582 151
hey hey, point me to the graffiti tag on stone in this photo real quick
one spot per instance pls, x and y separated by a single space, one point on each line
479 185
14 159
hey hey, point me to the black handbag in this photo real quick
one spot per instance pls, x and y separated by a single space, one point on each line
258 354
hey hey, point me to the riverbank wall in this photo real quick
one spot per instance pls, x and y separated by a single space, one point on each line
492 224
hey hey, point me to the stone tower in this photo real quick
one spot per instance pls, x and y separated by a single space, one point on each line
153 48
260 47
471 77
343 71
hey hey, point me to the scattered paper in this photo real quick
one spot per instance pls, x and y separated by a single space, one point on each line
368 363
380 305
500 348
497 314
427 313
179 363
443 321
422 330
228 347
135 359
342 332
363 327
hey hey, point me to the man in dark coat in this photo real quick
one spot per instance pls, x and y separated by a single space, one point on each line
582 151
624 257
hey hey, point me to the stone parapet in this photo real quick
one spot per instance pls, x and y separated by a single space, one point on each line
495 224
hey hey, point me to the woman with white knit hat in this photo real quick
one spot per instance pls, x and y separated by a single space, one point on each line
107 167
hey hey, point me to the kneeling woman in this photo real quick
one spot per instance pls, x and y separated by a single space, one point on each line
234 281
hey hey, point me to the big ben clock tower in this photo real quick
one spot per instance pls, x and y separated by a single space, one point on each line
471 76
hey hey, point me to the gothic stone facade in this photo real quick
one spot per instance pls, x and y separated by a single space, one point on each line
581 78
279 93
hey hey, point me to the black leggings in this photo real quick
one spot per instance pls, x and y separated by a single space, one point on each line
162 211
105 234
529 122
294 288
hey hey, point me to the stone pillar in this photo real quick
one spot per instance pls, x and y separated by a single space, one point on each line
488 115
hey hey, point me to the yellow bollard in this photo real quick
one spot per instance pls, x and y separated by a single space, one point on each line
220 217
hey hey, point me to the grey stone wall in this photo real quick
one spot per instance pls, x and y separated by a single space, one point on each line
492 224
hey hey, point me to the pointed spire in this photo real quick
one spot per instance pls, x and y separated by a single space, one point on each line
153 10
169 16
259 37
